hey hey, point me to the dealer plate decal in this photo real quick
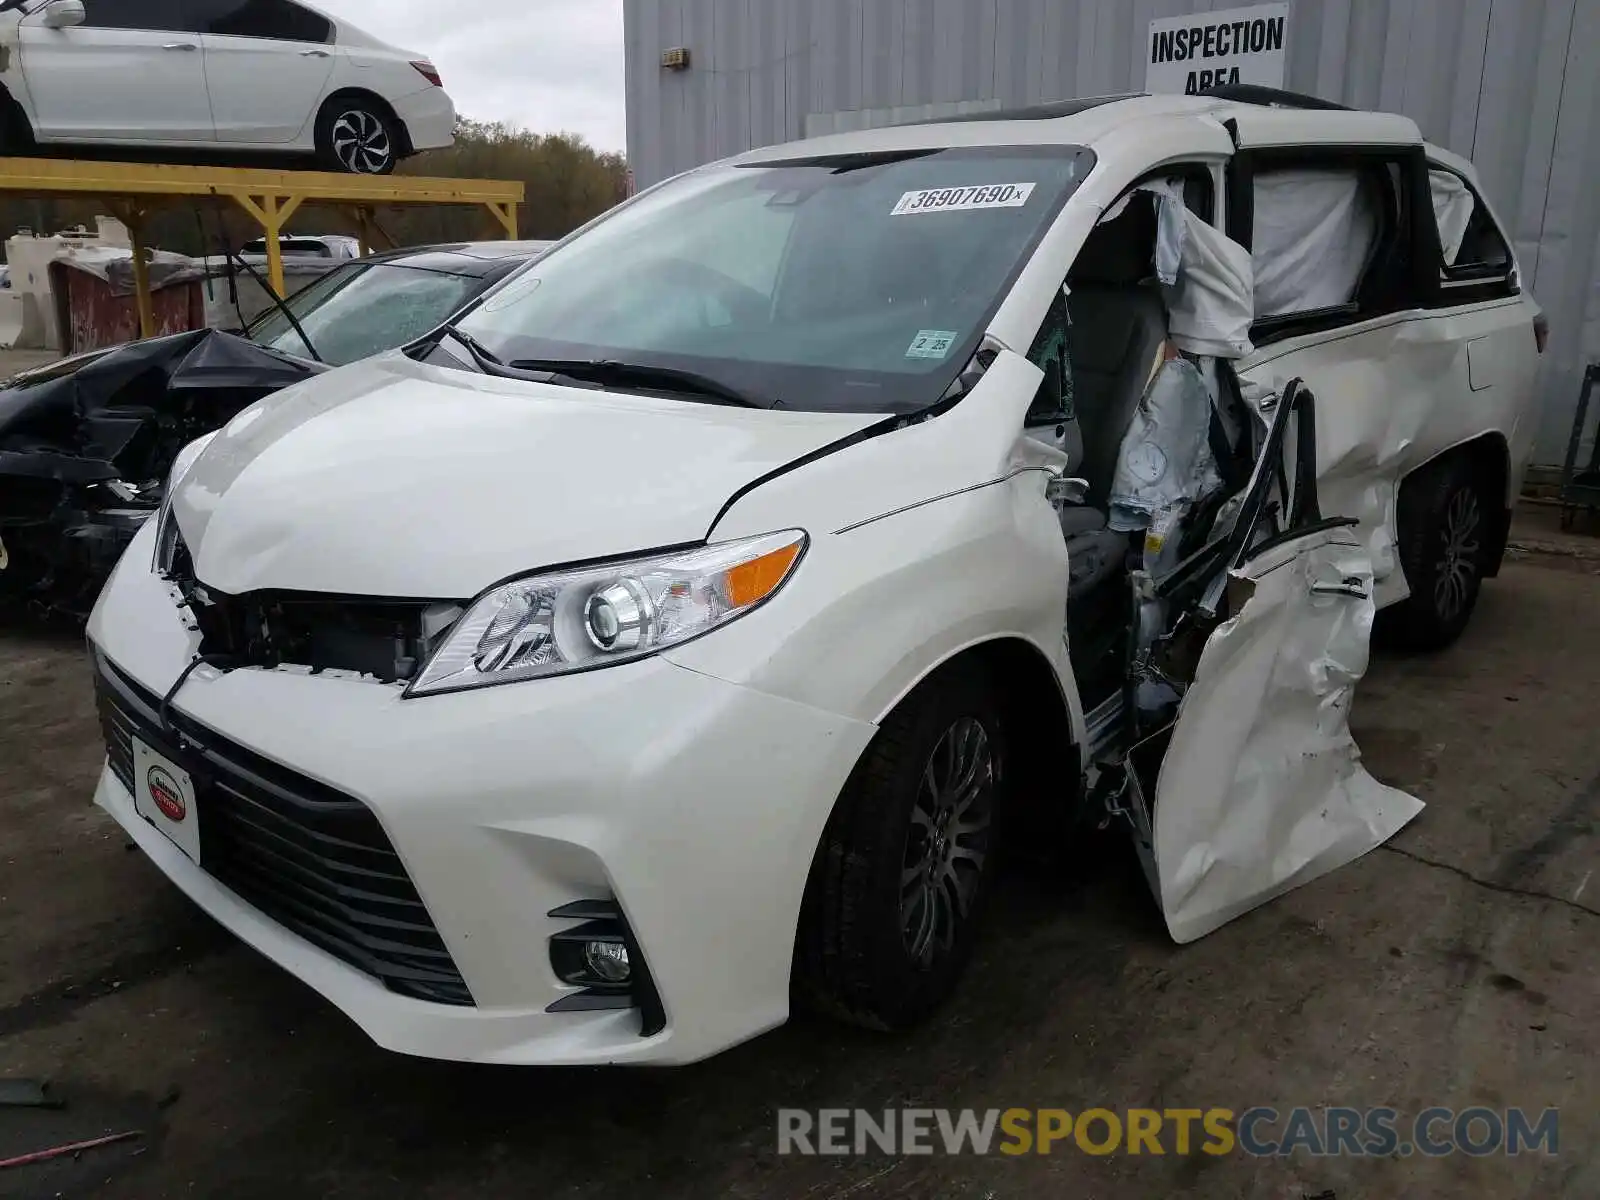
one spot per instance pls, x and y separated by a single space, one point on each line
963 199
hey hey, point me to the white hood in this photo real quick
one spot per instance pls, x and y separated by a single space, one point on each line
389 478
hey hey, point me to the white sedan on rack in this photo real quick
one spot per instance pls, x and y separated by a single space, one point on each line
252 76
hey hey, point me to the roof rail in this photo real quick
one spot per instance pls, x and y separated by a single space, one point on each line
1253 93
1033 112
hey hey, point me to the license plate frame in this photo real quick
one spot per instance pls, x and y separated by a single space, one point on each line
164 795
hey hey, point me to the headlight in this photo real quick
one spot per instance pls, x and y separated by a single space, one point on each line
166 524
568 621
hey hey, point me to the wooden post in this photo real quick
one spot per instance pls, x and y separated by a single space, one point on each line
132 215
141 281
506 216
274 226
273 213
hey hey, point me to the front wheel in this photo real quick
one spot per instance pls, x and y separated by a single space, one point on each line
904 868
1443 534
357 137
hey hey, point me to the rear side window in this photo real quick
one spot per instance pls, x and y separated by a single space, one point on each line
1316 230
1474 254
276 19
1332 240
137 14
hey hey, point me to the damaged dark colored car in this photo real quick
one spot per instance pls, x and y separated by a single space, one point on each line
86 446
86 443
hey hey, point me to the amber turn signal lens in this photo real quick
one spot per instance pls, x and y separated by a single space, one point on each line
760 577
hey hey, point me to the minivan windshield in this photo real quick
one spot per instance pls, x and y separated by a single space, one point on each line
857 283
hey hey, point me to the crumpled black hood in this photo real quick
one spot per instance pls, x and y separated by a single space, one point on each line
123 408
86 446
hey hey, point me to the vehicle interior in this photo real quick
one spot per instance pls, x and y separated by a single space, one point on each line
1148 586
1101 347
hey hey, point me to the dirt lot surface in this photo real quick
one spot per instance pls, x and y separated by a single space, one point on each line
1455 967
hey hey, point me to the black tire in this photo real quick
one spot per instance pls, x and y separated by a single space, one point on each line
16 134
1443 518
865 953
357 136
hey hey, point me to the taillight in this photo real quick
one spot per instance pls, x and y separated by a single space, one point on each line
1541 332
429 72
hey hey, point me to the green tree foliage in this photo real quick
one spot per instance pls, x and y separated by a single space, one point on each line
567 182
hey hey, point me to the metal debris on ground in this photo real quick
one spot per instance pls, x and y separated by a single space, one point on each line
39 1156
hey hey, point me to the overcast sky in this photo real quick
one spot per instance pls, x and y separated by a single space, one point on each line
549 65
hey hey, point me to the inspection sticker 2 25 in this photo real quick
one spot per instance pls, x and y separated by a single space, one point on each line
957 199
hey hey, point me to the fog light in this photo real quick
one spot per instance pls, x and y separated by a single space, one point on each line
607 960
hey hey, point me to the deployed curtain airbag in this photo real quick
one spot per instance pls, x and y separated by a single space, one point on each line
1313 236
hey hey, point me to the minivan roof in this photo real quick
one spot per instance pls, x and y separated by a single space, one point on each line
1089 121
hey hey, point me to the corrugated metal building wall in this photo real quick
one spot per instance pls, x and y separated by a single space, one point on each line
1506 82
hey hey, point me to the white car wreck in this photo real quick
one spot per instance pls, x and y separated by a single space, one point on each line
684 625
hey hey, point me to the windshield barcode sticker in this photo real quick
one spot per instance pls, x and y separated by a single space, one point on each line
961 199
931 343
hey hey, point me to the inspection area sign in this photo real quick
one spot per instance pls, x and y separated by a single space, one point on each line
1236 45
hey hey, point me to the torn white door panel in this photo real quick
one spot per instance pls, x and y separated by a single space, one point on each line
1393 394
1262 787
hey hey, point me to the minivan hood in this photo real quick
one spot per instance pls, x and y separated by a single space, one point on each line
392 478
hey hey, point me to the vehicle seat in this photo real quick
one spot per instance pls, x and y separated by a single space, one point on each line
1118 325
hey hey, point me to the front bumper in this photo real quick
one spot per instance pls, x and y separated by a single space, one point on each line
430 118
694 803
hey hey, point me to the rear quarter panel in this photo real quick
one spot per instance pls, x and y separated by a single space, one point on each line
1396 392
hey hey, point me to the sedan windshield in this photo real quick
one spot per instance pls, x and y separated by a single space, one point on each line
858 283
362 309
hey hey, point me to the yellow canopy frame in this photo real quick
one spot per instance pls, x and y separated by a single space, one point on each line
132 190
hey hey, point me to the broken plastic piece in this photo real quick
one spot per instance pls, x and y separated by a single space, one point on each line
27 1093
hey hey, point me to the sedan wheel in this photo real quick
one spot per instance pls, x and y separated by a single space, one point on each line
357 137
361 143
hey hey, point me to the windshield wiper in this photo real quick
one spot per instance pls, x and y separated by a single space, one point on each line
279 302
606 371
488 362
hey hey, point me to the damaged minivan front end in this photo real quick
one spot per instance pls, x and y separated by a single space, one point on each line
677 630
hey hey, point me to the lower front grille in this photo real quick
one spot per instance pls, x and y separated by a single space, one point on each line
308 856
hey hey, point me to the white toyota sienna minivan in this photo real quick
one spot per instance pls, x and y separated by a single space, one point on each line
682 628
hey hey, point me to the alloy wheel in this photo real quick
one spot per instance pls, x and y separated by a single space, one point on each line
1457 568
361 143
948 840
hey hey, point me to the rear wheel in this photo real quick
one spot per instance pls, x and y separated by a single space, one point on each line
357 136
16 134
903 871
1444 533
